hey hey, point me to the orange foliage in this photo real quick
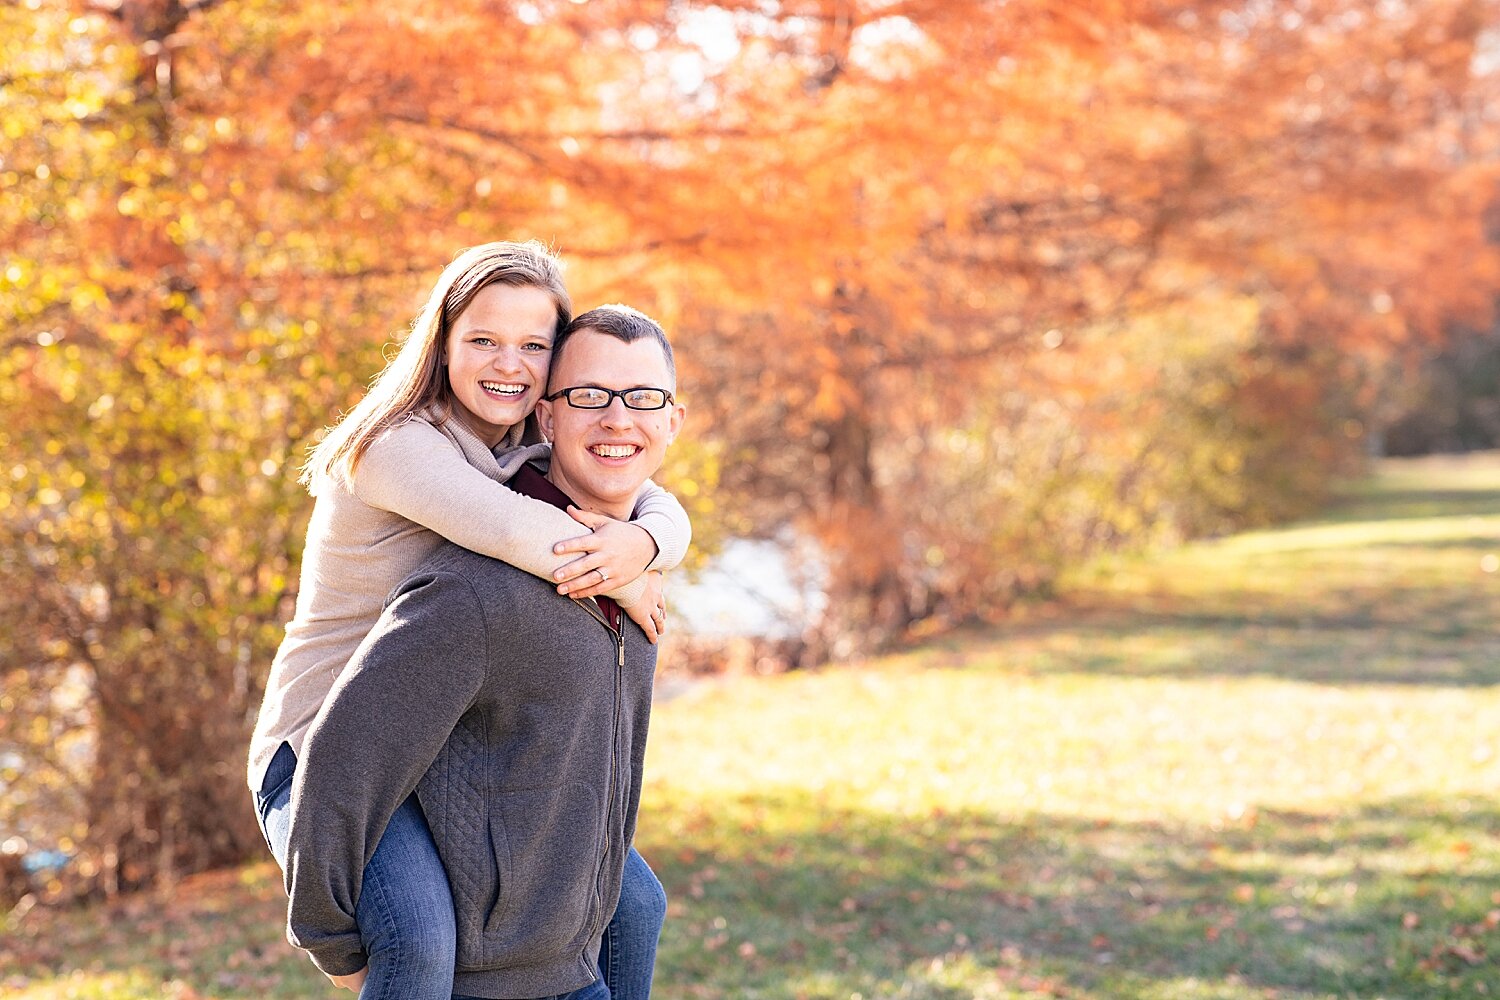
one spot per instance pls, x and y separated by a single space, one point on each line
875 226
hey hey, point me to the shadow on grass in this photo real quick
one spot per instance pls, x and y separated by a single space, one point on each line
1479 544
1395 504
1318 652
1385 633
1205 646
780 897
215 935
784 898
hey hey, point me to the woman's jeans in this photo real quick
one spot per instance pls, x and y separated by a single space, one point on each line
405 912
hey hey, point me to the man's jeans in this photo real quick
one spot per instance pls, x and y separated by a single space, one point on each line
405 912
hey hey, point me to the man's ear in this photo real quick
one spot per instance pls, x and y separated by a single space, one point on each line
544 418
674 421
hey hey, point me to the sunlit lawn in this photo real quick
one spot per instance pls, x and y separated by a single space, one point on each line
1263 767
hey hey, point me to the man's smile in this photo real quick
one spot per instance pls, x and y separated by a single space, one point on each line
614 451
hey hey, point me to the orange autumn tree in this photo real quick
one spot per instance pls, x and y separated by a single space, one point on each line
964 291
161 373
215 214
964 186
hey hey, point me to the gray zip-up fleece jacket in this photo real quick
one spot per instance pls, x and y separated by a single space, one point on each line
519 717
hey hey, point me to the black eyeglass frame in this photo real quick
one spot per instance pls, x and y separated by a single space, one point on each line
667 399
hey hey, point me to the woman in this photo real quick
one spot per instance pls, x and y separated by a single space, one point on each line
419 459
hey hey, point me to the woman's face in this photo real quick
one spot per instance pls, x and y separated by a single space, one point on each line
497 352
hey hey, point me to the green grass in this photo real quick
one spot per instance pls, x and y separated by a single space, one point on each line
1262 767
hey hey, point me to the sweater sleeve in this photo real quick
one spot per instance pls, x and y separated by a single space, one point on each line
413 471
664 519
384 723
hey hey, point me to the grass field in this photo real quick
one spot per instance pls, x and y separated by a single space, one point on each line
1263 767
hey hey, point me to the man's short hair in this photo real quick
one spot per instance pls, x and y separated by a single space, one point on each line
622 323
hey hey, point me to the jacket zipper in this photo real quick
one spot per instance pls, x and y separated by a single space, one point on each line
614 747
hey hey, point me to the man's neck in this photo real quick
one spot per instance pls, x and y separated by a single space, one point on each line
582 500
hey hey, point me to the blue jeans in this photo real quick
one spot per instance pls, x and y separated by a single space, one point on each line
405 912
627 955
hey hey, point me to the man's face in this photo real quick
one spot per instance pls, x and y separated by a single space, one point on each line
601 457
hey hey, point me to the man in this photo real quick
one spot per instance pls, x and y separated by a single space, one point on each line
518 716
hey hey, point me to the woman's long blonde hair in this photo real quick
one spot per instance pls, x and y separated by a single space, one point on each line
416 378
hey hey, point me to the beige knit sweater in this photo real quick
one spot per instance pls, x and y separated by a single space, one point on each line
418 484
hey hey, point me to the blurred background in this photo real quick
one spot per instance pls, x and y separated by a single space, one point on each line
968 296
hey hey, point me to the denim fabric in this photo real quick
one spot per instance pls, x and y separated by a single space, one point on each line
405 913
627 955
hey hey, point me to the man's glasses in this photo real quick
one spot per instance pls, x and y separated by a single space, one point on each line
592 397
